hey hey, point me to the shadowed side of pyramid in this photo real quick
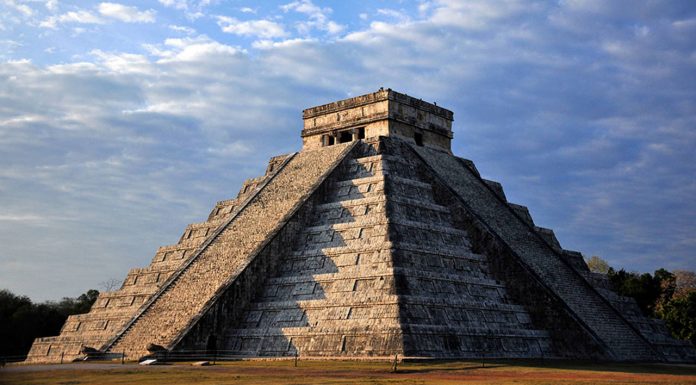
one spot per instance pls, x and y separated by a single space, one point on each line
450 304
551 283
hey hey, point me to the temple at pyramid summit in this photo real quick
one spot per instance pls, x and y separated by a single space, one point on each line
373 240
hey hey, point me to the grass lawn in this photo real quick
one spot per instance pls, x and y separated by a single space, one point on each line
351 372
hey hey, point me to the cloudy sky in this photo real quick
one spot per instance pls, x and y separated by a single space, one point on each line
121 122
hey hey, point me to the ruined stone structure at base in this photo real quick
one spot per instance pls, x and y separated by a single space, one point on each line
374 240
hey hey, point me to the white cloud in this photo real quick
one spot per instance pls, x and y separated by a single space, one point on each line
79 17
183 29
232 149
264 29
176 4
8 45
641 31
247 10
318 17
126 14
192 9
267 44
424 7
685 24
123 62
589 6
191 49
20 218
398 16
476 14
24 9
199 51
52 5
333 27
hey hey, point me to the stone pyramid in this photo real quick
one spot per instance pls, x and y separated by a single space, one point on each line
373 240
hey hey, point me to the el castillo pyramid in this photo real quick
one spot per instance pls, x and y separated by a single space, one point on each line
373 240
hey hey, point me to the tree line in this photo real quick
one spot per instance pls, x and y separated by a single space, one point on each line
670 296
22 320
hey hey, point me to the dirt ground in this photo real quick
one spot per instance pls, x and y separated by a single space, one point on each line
350 372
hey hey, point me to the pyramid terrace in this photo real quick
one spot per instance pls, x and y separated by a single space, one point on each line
371 241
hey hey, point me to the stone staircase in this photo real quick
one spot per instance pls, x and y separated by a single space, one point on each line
379 269
333 293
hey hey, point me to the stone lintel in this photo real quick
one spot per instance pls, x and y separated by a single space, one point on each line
374 97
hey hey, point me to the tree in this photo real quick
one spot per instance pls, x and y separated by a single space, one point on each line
644 288
597 265
679 315
110 284
685 281
21 320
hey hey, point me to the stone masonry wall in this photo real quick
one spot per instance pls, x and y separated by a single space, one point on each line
113 309
450 304
582 300
184 299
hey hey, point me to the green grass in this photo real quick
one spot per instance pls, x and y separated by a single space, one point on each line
352 372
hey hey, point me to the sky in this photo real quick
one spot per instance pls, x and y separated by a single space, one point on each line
122 122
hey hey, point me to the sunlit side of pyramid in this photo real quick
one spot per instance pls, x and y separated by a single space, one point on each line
373 240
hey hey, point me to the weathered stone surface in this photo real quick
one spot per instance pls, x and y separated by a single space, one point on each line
612 331
385 245
113 310
223 257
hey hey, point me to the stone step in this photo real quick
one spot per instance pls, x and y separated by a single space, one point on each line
173 253
340 237
342 227
443 251
223 209
497 331
350 189
319 263
361 300
337 184
352 299
344 249
383 270
347 327
383 340
382 199
453 276
381 179
400 246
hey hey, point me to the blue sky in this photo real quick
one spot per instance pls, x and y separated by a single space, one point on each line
121 122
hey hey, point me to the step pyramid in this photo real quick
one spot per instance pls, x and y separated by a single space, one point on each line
373 240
